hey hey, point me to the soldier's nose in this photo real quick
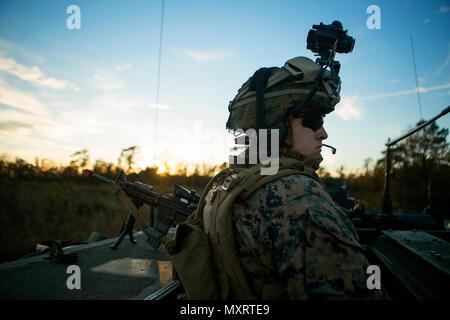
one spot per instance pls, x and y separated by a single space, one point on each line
322 134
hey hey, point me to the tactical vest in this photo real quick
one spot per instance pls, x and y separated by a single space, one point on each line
204 250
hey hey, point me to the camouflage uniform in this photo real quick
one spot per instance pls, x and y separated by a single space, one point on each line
291 231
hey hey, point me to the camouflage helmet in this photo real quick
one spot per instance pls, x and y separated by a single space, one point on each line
284 89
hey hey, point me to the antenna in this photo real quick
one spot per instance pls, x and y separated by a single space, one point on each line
157 82
417 81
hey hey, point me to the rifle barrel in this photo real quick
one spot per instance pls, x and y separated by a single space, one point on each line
141 193
90 173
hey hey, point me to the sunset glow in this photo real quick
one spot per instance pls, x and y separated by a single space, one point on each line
161 170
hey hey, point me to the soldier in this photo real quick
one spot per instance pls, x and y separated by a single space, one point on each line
291 233
292 239
277 236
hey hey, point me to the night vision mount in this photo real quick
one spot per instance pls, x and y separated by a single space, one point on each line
326 40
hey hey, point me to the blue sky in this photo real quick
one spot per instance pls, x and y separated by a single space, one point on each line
64 90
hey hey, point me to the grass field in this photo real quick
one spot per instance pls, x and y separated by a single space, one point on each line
39 203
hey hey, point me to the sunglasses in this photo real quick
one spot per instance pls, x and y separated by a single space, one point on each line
312 121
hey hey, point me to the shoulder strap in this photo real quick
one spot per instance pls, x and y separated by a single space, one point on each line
212 183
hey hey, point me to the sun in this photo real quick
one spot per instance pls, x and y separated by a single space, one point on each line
161 169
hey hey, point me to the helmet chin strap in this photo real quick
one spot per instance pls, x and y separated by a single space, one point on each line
287 142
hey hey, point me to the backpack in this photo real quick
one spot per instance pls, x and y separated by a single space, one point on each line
203 250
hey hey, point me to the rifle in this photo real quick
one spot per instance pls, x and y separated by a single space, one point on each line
172 209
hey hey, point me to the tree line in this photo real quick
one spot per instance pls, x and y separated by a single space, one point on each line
43 201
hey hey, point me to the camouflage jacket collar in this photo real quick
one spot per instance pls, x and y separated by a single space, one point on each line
312 160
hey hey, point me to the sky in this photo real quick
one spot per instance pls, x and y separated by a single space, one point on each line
64 89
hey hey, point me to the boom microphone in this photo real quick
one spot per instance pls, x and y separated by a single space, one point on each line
333 149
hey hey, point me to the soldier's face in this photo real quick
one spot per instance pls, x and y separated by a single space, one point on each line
307 141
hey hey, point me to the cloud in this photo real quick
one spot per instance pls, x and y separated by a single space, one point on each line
28 147
394 81
33 74
21 100
109 79
30 56
124 67
404 92
347 109
13 126
207 55
160 106
112 102
444 9
445 64
15 123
